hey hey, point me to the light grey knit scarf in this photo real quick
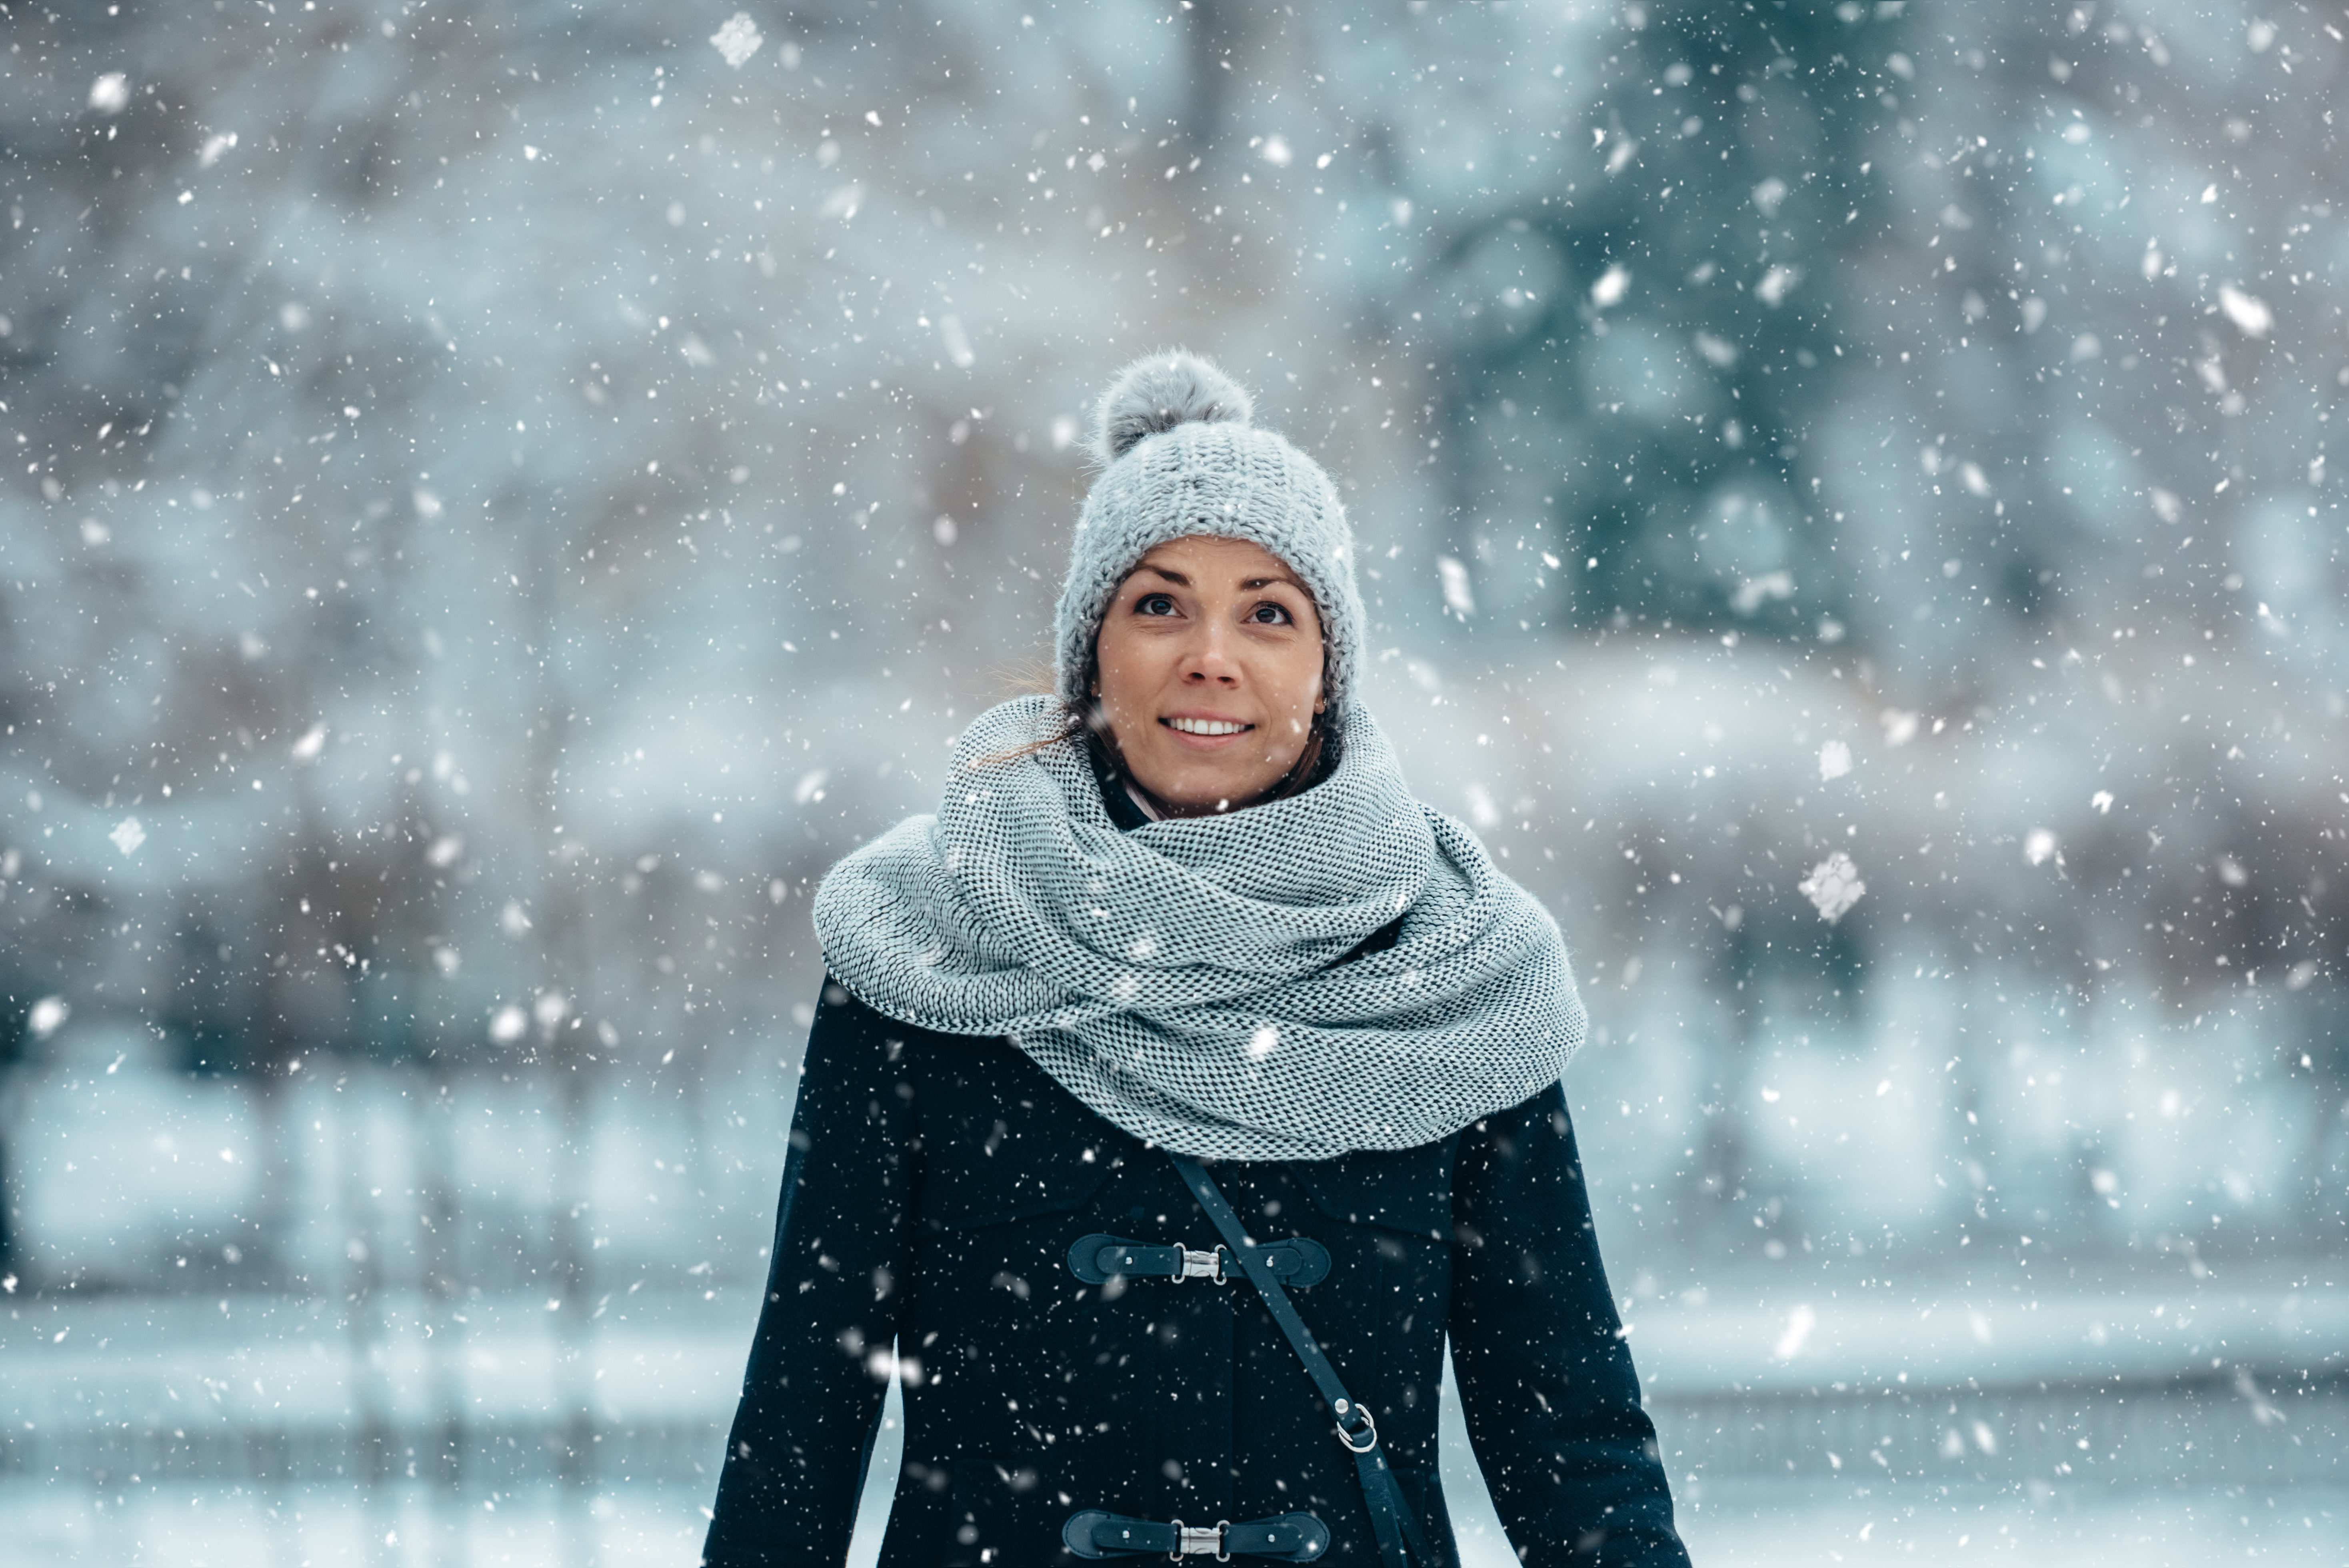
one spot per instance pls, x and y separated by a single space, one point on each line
1183 979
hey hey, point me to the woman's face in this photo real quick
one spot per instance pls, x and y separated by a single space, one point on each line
1209 672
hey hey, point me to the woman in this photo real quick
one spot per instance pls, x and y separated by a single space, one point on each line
1187 912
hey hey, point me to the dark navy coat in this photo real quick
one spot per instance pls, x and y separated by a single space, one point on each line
931 1189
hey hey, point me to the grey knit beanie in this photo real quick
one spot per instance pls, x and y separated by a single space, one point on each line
1180 458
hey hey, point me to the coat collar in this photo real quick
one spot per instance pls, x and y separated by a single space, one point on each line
1126 812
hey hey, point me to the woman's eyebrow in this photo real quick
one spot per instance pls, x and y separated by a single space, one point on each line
1247 584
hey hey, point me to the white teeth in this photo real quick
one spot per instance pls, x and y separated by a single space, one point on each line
1205 726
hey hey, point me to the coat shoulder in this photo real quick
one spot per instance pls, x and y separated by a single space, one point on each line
1000 1141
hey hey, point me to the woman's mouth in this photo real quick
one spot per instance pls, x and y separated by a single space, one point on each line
1207 725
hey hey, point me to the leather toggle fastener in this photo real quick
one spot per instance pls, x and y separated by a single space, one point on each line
1298 1261
1285 1537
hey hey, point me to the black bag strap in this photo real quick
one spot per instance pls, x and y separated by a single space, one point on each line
1403 1543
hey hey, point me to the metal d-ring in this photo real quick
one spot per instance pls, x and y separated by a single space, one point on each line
1369 1433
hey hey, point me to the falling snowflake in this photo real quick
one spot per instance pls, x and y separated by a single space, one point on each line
1777 284
951 332
1799 1324
1834 886
739 39
128 835
1262 1043
48 1013
1835 760
1457 596
1756 592
2248 312
2038 845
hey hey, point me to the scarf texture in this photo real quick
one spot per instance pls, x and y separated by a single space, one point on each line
1183 979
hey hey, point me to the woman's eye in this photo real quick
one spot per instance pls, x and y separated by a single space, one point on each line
1153 604
1270 615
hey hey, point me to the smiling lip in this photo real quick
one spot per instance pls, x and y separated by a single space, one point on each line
1204 727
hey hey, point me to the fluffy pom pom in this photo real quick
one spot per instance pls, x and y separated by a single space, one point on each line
1161 392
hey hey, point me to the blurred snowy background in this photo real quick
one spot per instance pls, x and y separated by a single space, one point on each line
503 494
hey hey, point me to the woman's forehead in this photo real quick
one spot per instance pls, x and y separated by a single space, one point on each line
1214 558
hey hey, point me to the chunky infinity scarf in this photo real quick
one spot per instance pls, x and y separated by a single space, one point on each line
1183 979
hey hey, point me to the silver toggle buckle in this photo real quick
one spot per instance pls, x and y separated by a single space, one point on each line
1203 1266
1200 1541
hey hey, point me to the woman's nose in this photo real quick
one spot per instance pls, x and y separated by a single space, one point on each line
1208 657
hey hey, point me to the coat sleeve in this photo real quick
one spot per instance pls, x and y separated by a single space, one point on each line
812 1397
1546 1386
